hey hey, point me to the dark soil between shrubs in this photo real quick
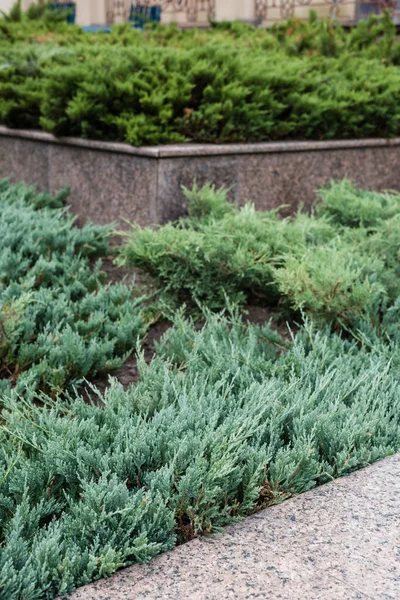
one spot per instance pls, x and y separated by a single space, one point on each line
128 374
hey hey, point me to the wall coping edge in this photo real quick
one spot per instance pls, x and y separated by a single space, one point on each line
193 150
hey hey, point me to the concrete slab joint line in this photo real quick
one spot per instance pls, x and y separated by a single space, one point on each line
157 197
340 541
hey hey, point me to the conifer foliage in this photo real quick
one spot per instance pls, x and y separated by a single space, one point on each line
225 419
58 321
228 84
338 264
221 424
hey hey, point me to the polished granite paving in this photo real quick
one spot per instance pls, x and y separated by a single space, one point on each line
340 541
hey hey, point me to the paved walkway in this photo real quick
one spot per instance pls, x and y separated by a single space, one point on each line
340 541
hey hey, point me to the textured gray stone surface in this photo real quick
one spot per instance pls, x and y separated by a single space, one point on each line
106 186
340 541
173 173
293 178
113 182
176 150
24 160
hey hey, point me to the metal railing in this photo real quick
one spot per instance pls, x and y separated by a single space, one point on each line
287 8
119 10
195 12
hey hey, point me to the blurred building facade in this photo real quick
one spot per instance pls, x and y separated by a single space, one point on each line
198 12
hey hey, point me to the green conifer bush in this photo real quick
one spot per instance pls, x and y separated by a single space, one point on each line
352 207
338 264
227 84
58 321
221 424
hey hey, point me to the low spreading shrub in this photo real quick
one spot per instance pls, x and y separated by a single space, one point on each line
229 84
58 321
226 419
221 424
338 264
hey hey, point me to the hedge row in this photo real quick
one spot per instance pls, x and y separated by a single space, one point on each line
218 86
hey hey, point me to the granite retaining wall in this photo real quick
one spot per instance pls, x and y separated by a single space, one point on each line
114 182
